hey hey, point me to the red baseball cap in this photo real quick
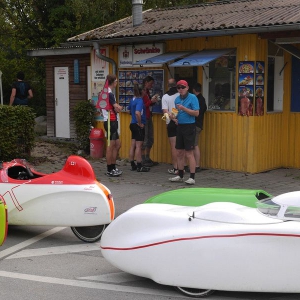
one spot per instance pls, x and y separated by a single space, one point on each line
182 82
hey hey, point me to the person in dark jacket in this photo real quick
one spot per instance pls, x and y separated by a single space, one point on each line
21 91
199 122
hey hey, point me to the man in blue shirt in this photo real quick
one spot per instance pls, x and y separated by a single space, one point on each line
188 108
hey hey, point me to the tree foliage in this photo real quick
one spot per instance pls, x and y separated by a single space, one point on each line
30 24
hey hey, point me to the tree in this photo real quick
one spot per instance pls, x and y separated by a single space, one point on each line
28 24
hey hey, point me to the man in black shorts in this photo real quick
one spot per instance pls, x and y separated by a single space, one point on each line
188 108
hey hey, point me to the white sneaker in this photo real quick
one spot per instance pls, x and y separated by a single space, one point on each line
176 179
173 171
190 181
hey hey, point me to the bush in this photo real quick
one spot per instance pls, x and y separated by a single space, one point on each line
84 114
16 132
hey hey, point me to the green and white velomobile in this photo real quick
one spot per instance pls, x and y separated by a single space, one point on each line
202 196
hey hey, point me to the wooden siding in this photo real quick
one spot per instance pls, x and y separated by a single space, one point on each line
77 91
228 141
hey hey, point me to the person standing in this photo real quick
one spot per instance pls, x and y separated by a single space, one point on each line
199 122
148 82
21 91
114 146
188 108
168 104
137 127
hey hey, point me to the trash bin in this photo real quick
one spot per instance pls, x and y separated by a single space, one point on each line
96 143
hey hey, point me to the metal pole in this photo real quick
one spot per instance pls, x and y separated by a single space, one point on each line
1 91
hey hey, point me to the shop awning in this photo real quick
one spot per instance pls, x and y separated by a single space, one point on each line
201 58
290 49
162 58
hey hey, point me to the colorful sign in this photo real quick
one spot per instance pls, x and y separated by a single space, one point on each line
132 54
128 78
100 70
251 88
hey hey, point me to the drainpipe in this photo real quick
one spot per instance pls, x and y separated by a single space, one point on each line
105 58
137 12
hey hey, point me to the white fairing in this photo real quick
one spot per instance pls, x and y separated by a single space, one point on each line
225 246
57 205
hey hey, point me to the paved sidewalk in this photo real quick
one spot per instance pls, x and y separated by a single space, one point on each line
274 182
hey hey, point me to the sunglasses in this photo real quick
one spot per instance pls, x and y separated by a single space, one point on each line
181 87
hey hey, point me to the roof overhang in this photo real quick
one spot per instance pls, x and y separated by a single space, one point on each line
290 49
60 51
151 38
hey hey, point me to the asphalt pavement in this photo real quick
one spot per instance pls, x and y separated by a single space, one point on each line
275 182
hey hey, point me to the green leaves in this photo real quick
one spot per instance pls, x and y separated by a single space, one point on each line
84 115
16 132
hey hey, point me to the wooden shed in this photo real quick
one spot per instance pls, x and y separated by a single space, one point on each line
244 53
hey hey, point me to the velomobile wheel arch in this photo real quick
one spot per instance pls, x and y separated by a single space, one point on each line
196 293
89 234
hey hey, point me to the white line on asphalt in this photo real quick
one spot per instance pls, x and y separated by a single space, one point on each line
33 240
90 285
56 250
119 277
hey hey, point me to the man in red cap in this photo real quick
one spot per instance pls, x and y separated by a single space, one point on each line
187 105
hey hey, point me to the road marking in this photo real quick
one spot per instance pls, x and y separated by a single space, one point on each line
90 285
33 240
56 250
119 277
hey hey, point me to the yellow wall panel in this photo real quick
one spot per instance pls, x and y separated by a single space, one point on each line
229 141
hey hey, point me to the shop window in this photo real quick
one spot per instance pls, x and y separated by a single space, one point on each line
275 78
219 78
187 73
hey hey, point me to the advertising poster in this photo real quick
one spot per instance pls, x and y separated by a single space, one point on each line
128 78
99 71
259 88
246 88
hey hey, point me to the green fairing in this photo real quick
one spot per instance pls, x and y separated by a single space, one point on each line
201 196
3 222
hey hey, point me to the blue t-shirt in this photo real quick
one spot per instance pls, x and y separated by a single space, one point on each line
137 104
190 102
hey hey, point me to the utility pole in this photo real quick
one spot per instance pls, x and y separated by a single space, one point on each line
1 91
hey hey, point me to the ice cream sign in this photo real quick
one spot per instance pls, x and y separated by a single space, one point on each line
131 54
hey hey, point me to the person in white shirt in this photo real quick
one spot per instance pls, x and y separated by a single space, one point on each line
168 104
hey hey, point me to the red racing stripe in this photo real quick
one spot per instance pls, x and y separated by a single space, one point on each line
199 238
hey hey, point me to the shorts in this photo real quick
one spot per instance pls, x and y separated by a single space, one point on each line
185 138
172 129
198 131
114 135
137 133
149 139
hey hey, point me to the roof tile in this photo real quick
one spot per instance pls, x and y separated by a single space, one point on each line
202 17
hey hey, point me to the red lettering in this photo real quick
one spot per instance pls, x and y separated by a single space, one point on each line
146 50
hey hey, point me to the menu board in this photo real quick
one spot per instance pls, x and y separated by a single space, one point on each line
246 85
259 88
251 88
128 78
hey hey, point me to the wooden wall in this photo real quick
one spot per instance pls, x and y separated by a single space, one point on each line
228 141
77 91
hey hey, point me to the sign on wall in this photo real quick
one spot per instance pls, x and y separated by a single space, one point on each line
131 54
128 78
100 69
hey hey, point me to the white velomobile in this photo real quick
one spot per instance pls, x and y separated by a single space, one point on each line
70 197
218 246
